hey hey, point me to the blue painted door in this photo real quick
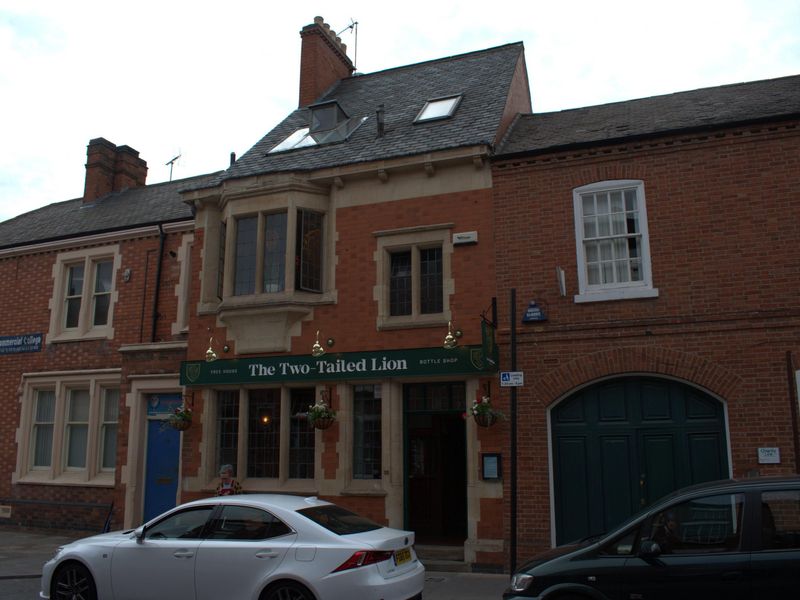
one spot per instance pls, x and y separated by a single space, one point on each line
163 455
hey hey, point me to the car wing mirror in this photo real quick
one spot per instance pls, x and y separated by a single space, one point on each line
138 533
649 549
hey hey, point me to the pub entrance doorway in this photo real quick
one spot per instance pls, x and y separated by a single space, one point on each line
435 462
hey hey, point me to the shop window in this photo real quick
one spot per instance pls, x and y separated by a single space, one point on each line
83 295
367 432
274 439
69 429
612 242
414 277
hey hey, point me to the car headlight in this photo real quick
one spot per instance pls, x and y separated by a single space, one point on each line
58 551
520 582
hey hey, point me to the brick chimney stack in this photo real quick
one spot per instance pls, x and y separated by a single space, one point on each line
323 61
111 168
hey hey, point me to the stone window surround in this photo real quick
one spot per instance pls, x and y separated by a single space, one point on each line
96 381
412 238
85 330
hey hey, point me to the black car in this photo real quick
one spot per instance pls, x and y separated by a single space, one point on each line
733 540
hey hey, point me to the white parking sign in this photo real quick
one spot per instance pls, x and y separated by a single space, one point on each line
511 379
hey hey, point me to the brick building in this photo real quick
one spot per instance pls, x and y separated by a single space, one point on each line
361 226
351 258
94 308
658 245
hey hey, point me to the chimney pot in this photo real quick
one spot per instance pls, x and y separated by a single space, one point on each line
323 61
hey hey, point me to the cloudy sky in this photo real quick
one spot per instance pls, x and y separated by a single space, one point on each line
203 79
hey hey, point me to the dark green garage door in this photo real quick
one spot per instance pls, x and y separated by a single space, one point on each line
621 444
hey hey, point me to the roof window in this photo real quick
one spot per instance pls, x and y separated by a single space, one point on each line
328 123
438 108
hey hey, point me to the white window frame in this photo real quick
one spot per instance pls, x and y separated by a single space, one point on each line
615 291
57 472
413 239
86 328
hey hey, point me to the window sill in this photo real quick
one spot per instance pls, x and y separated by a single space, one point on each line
306 487
71 479
106 333
413 321
617 294
356 491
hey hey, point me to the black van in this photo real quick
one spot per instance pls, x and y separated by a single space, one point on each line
733 540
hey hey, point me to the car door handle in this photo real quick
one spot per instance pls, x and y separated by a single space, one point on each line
731 576
266 554
183 554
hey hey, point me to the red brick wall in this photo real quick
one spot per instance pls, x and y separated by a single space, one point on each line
27 281
722 217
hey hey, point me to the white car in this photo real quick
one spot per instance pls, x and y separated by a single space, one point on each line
252 546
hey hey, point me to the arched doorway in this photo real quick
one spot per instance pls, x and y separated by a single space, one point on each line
621 444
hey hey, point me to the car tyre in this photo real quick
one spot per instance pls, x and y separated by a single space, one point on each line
287 590
72 581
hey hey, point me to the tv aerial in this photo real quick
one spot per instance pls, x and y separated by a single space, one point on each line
353 27
171 164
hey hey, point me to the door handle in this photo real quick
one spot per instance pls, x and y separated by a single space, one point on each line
266 554
183 554
732 576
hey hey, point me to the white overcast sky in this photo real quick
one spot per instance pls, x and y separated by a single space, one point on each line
204 79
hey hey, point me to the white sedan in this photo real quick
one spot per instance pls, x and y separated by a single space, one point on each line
257 547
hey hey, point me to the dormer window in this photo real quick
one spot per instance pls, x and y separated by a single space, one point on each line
438 108
328 123
326 116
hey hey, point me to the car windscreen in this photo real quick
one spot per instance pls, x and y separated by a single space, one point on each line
338 520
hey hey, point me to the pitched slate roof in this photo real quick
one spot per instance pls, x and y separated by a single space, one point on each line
483 77
707 108
147 205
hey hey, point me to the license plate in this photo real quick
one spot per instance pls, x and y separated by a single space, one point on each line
402 556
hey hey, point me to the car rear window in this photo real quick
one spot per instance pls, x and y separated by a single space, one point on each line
338 520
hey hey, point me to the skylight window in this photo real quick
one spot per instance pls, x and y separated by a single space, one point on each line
328 123
440 108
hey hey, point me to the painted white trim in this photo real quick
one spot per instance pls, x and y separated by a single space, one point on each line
619 291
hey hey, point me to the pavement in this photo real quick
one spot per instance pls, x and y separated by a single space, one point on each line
23 552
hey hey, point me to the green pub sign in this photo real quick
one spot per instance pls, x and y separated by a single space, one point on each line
418 362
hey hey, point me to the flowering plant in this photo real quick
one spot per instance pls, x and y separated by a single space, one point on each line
181 417
483 407
320 410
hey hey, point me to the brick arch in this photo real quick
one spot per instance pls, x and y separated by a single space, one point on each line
607 172
641 360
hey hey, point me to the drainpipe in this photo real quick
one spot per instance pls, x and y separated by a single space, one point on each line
513 433
157 292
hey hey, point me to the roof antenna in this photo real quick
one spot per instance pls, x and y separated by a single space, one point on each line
353 27
171 164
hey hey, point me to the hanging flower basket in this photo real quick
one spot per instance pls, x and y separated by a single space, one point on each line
485 420
181 418
320 415
179 424
484 414
322 422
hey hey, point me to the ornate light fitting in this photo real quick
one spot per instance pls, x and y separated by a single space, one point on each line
211 356
451 339
317 350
